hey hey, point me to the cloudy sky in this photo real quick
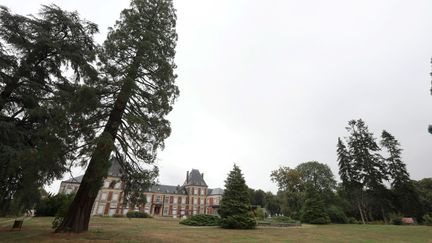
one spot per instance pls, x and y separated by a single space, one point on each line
270 83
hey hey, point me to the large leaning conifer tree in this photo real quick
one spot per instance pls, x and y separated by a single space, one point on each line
137 73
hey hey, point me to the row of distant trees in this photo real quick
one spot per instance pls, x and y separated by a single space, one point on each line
374 184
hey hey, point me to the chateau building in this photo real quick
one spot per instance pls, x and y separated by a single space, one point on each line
193 197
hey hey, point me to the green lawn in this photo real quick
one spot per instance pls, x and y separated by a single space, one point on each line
169 230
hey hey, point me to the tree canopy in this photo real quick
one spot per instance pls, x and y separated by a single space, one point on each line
293 184
42 121
365 167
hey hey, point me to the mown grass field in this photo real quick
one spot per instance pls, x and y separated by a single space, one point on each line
169 230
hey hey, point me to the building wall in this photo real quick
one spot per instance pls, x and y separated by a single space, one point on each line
109 200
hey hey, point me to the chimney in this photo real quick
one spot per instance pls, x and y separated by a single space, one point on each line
202 176
187 176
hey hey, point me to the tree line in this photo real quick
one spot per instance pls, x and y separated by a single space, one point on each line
374 183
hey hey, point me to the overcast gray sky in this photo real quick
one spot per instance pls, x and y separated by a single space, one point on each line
270 83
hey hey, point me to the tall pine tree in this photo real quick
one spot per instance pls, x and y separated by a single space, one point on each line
364 170
407 199
344 162
361 166
137 71
396 168
235 208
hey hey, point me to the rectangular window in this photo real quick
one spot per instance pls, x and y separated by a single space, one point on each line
104 196
101 208
115 197
106 183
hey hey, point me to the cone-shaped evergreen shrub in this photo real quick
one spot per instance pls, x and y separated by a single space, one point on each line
235 209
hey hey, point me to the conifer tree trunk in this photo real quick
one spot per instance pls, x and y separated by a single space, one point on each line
78 216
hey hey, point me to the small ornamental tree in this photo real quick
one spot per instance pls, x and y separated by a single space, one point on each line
235 209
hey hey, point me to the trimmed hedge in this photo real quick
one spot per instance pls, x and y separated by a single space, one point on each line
283 219
201 220
137 214
238 222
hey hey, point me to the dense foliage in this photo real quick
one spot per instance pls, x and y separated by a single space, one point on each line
428 219
293 183
42 117
201 220
313 210
52 204
137 214
375 183
365 169
235 207
336 214
266 200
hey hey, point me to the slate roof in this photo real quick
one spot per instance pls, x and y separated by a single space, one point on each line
114 170
194 178
168 189
215 191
